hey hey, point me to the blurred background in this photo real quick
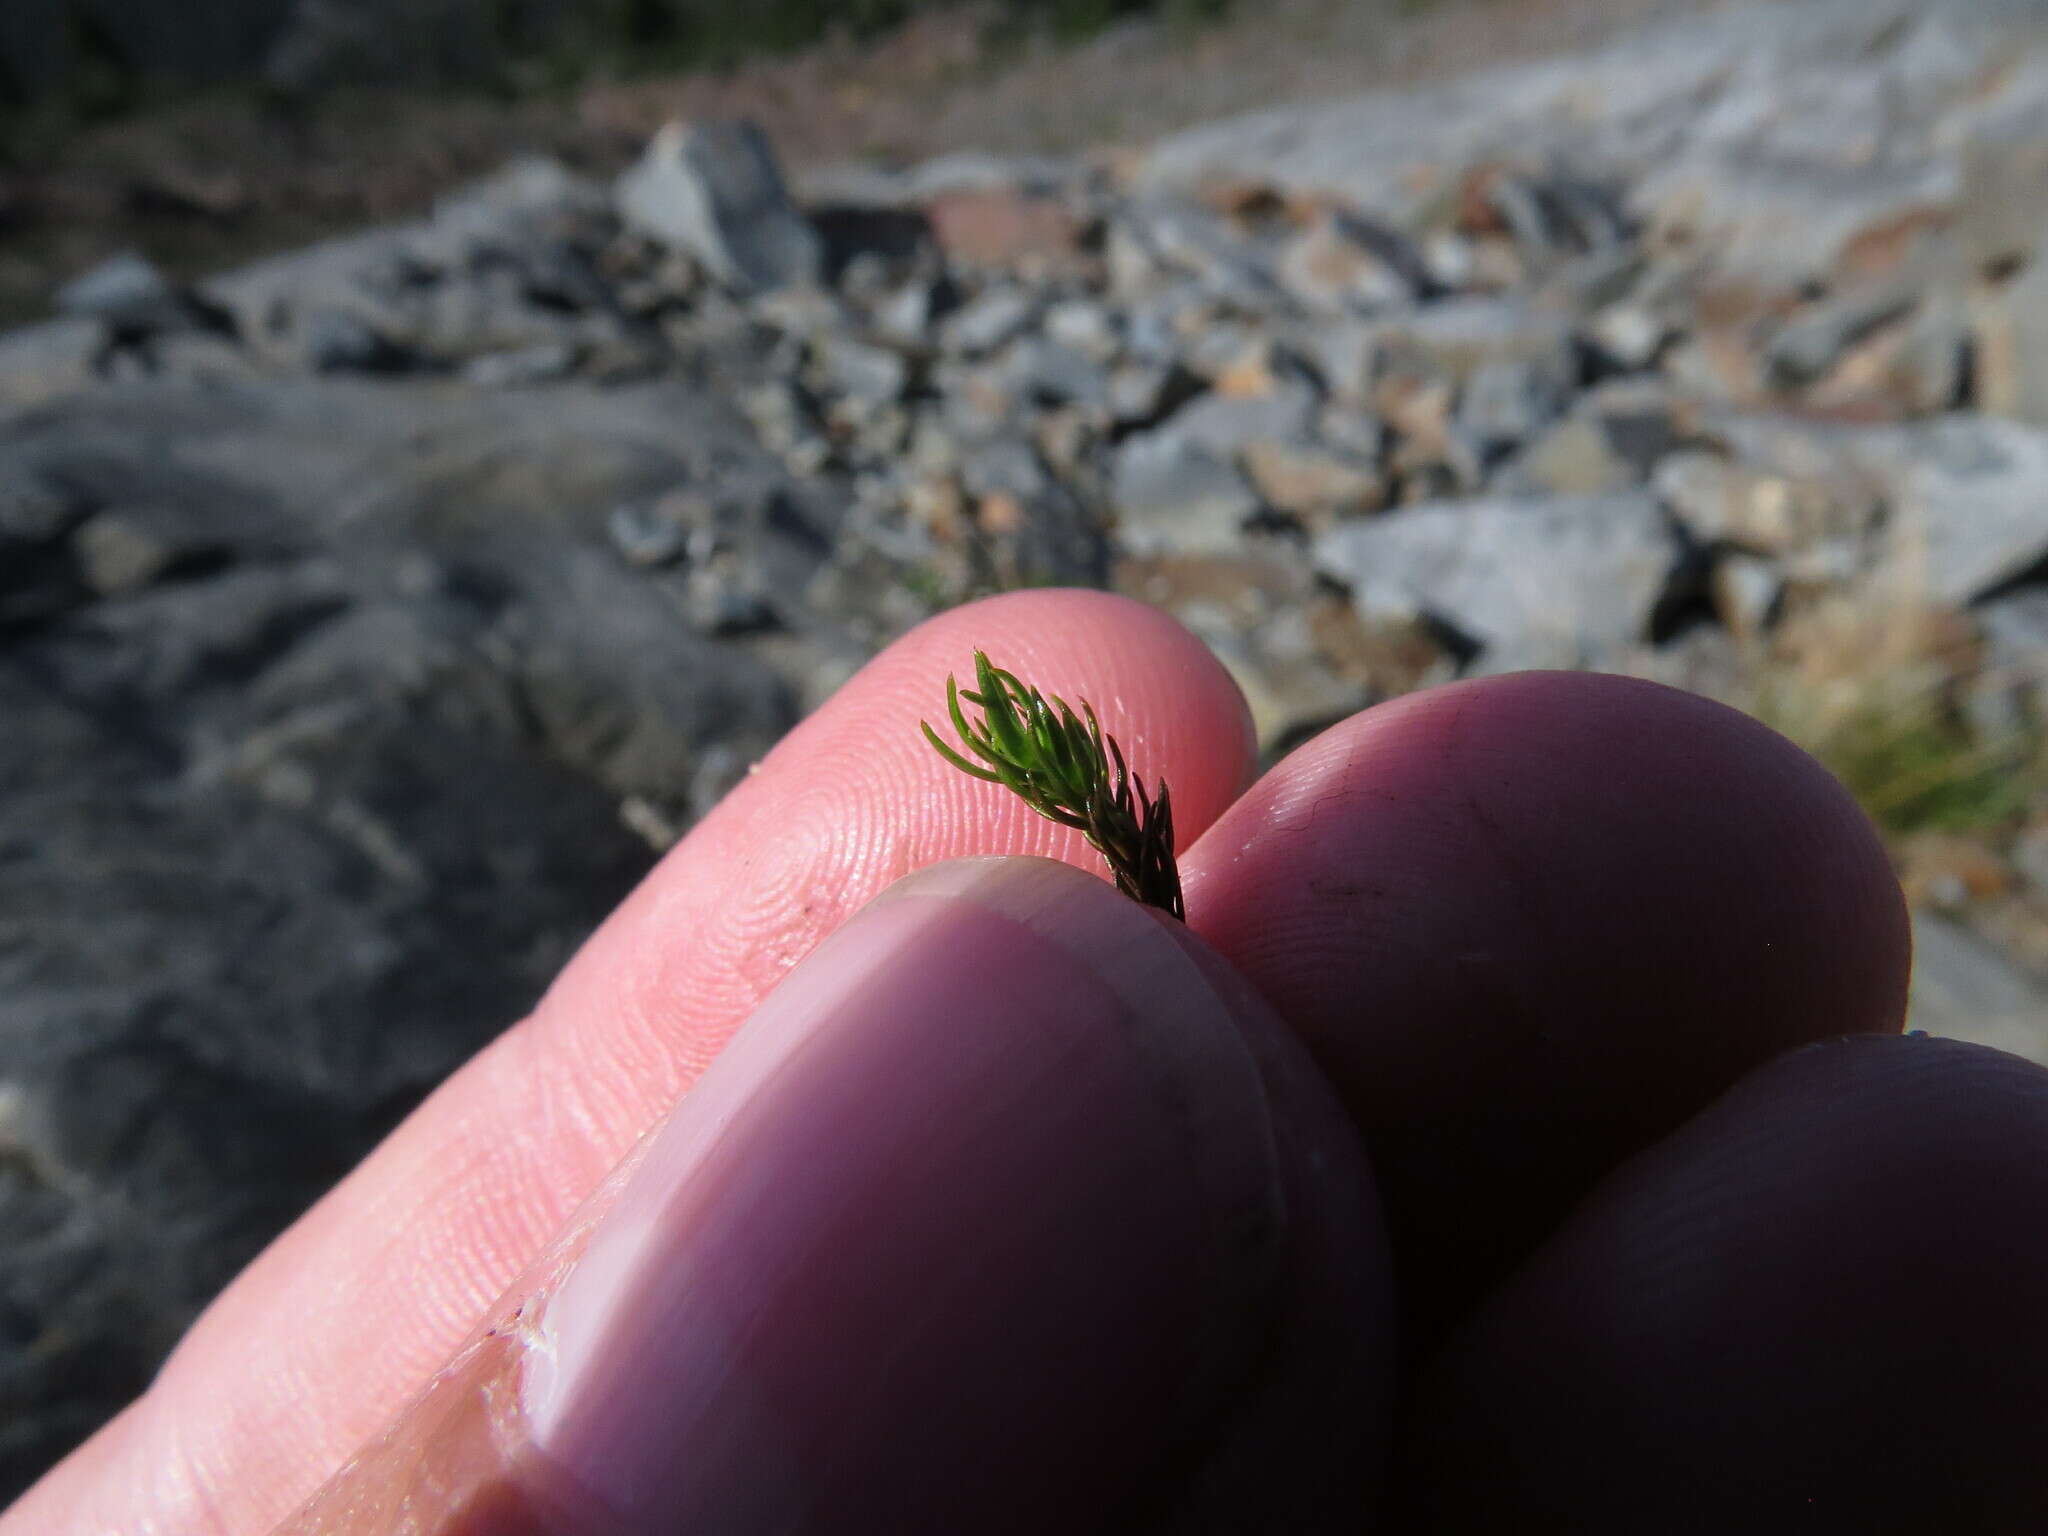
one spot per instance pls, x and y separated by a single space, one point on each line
443 444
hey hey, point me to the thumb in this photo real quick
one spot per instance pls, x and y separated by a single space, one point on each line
1010 1209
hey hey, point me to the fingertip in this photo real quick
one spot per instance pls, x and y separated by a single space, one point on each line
1528 923
1815 1307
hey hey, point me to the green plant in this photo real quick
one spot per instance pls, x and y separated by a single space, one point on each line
1913 769
1063 767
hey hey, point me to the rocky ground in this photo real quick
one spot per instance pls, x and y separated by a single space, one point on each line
1715 354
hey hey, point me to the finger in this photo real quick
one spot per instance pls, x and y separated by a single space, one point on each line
1529 924
993 1218
1818 1308
353 1308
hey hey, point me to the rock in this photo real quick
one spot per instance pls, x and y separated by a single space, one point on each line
2010 332
127 548
1558 583
1050 373
1003 227
1085 326
715 190
1456 338
1746 590
1505 404
525 365
868 373
1226 425
649 534
2030 858
1809 347
1343 262
1317 485
121 286
906 316
1722 501
997 316
1628 336
1574 457
44 362
1970 509
1172 494
337 341
1964 989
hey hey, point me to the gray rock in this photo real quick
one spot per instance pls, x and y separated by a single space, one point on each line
43 362
1565 582
646 533
1343 262
1052 373
1172 495
867 373
1573 457
1224 425
1808 347
1505 404
715 190
525 365
339 341
120 286
1970 504
988 322
1964 989
1085 327
1627 335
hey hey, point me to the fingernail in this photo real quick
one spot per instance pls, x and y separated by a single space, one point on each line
969 1227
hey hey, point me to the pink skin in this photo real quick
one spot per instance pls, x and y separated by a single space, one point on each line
1339 887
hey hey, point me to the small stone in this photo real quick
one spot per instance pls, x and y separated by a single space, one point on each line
646 534
1083 325
906 315
1627 335
42 362
1351 430
1746 589
1144 392
868 373
1173 496
1003 227
337 341
1346 262
1226 426
117 288
980 327
1505 404
1573 458
526 365
1966 504
1808 348
1317 485
715 190
126 548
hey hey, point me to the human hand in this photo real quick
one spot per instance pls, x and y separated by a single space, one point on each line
1018 1208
